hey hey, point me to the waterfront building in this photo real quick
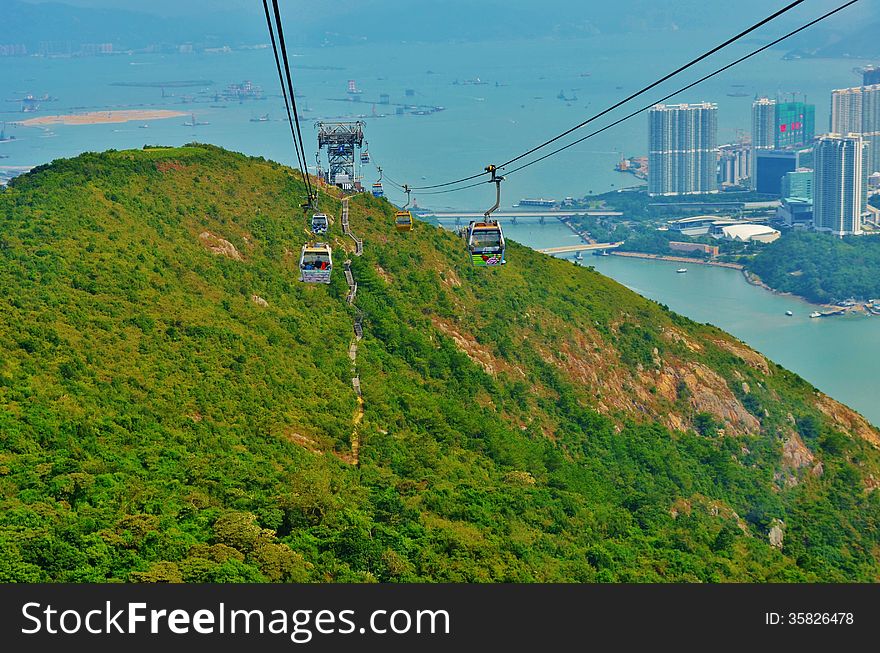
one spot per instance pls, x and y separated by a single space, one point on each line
798 183
839 184
857 111
746 233
682 149
711 250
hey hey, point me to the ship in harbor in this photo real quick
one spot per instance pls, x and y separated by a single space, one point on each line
540 202
3 137
245 91
194 122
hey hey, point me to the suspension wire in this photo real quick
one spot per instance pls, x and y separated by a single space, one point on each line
642 91
284 90
656 83
292 97
687 87
455 190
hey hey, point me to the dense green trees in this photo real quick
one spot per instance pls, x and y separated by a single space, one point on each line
821 267
159 425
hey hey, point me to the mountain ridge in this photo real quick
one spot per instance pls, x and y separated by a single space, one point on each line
177 407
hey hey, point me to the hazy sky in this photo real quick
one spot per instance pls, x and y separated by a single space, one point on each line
378 20
579 9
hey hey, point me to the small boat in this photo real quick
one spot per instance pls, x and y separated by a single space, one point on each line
263 118
815 314
789 313
681 270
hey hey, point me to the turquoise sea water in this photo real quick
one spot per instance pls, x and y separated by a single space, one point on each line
482 123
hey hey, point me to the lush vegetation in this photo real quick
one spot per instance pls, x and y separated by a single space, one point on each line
821 267
175 406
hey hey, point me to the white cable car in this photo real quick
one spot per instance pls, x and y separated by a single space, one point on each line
485 241
320 223
365 153
315 263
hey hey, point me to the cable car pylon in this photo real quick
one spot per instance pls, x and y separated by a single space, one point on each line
485 240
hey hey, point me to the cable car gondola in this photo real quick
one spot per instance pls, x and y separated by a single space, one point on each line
485 239
365 153
486 243
403 219
378 191
320 223
315 263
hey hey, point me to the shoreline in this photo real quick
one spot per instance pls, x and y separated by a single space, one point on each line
678 259
750 278
102 117
755 280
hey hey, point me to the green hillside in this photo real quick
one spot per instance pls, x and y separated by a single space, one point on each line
176 406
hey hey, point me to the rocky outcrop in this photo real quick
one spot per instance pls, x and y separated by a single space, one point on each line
776 534
749 356
848 420
220 246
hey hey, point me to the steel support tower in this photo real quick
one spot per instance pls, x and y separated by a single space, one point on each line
340 140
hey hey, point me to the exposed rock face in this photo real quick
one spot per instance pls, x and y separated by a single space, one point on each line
848 420
383 274
777 533
750 357
711 394
474 350
220 246
795 454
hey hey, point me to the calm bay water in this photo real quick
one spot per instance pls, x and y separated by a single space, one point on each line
516 108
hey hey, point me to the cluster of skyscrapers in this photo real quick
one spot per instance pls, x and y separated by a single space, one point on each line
828 174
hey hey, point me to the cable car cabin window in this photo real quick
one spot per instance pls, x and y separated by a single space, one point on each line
315 261
403 221
319 223
486 239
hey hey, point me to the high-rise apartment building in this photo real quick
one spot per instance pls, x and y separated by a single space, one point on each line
838 184
857 111
682 149
763 129
764 124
